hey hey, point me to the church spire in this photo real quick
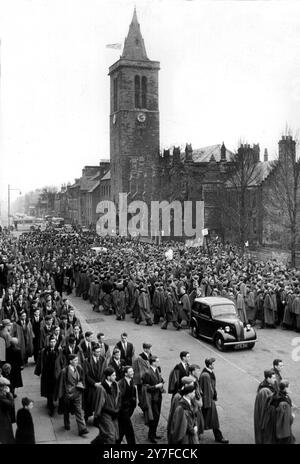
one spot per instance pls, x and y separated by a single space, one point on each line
134 47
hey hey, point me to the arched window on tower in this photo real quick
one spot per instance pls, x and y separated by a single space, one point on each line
144 92
115 94
137 91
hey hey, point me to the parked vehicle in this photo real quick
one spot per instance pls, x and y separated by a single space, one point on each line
216 319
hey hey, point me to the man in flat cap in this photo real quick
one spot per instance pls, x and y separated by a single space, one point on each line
207 384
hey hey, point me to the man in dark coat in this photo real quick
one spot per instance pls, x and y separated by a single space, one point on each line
140 366
85 347
14 359
277 369
6 413
69 348
265 390
107 409
25 428
36 328
72 319
93 371
126 348
179 371
207 384
46 368
104 347
153 387
70 385
117 364
184 428
128 399
46 330
282 418
22 330
170 314
77 334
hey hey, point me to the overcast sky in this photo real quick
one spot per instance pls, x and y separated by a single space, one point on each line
230 70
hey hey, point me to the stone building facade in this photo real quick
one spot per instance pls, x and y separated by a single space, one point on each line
138 168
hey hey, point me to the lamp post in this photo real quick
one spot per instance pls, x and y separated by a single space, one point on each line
9 189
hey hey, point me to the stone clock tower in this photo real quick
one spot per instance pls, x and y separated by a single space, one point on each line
134 112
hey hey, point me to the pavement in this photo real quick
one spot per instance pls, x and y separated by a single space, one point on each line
238 374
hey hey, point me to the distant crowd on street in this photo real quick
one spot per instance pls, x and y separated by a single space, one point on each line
152 284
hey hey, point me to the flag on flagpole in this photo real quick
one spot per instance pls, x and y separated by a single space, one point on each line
116 46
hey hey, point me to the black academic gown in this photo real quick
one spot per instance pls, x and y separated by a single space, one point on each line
25 428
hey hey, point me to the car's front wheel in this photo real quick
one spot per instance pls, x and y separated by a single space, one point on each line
193 331
219 342
250 346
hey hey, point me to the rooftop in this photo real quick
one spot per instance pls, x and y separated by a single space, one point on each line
107 176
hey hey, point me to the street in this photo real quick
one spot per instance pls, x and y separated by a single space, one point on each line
238 374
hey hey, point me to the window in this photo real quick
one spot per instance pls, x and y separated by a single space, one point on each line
223 309
144 92
137 91
115 91
202 309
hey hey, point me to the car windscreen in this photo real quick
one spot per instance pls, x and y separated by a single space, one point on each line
223 310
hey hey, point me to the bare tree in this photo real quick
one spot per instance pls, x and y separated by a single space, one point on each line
236 197
283 191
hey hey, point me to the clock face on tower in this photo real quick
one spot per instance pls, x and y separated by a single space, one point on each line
141 117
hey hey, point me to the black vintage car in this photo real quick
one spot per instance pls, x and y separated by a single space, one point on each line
216 319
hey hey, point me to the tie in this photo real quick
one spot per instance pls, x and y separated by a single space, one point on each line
125 347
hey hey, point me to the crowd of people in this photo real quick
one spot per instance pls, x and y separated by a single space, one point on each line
273 414
123 278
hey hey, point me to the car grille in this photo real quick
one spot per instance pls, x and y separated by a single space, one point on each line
239 327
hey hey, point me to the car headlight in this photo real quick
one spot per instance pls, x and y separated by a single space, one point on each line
227 328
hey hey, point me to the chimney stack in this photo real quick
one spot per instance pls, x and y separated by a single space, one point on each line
266 156
287 147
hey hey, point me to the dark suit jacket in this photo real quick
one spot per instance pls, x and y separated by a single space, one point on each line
86 352
118 369
127 397
150 379
181 371
67 382
127 357
144 356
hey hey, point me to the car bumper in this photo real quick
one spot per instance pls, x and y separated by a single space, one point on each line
243 342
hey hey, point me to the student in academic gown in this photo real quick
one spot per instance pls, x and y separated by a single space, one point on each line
207 384
265 389
25 429
93 368
184 429
128 397
107 409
